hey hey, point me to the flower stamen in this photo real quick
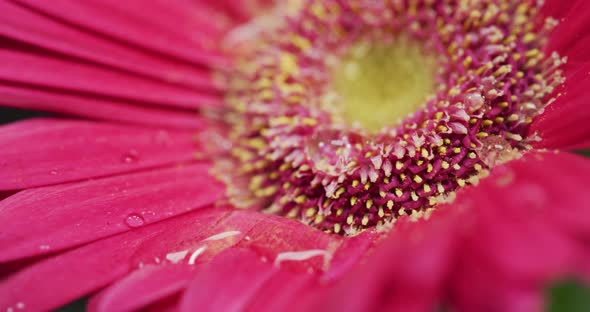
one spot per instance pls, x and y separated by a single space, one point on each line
294 154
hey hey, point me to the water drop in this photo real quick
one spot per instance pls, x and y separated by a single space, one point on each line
134 220
44 247
162 137
495 150
474 101
53 172
131 156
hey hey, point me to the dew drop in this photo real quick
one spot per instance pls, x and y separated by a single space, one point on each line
44 247
134 220
130 157
333 151
53 172
474 101
162 137
496 150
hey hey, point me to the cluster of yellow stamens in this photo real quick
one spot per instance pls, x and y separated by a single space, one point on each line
353 113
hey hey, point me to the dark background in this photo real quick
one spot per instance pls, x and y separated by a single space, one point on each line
11 114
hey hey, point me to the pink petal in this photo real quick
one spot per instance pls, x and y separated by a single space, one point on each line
479 289
267 235
49 219
557 8
24 25
97 108
528 226
143 287
283 292
351 252
245 9
225 233
231 280
406 273
39 152
55 281
170 304
564 124
122 23
555 185
189 16
573 26
228 233
578 55
275 235
67 76
508 239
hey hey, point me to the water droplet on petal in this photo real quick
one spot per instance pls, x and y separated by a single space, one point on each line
495 150
162 137
134 220
131 156
333 151
474 101
53 172
44 247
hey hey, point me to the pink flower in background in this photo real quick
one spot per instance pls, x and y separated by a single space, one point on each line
307 155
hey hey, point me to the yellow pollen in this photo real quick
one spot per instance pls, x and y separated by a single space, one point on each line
429 168
382 84
300 199
350 219
399 165
339 192
318 219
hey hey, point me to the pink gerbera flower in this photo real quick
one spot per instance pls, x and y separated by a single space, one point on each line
304 155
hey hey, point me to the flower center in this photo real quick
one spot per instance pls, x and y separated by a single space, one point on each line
381 84
351 114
